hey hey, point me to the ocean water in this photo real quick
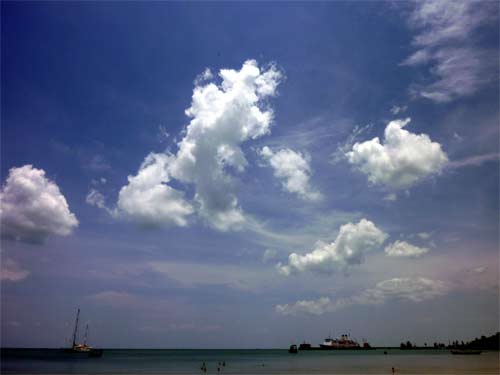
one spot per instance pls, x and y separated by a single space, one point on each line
47 361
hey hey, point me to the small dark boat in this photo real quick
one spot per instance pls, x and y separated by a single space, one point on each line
305 346
465 351
293 349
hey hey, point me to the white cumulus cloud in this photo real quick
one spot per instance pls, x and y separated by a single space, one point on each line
32 207
223 116
416 289
349 248
147 197
405 249
293 169
401 160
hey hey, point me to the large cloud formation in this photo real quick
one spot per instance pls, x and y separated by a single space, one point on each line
412 289
349 248
223 117
293 169
446 42
402 160
32 207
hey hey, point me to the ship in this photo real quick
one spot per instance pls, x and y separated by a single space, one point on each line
344 342
82 350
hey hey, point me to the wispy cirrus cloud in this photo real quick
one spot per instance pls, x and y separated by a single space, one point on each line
447 43
475 160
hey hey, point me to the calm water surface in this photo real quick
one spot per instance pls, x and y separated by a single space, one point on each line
250 362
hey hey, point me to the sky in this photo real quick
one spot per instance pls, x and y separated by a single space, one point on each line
249 175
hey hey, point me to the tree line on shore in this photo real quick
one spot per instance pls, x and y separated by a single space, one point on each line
482 343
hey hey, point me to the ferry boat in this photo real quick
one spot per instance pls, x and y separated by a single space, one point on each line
344 342
82 350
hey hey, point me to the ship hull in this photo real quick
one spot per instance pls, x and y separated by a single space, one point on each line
327 347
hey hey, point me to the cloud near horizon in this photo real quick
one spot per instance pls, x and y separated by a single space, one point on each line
294 171
401 160
349 248
222 117
411 289
32 207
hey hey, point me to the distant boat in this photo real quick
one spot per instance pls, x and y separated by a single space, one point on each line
465 351
344 342
293 349
305 346
82 350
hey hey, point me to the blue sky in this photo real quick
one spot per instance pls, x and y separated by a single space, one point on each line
268 212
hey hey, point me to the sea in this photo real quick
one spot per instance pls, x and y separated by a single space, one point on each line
263 361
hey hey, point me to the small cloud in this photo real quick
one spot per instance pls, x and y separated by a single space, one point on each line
404 249
481 269
398 109
95 198
424 235
33 208
401 160
390 197
293 169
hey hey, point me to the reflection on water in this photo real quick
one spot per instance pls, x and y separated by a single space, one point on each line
46 361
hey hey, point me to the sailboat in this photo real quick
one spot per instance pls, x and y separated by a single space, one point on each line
82 350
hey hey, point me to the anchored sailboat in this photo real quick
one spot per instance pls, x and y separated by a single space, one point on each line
83 350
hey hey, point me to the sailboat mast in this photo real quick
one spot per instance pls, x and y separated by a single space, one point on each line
86 334
75 332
